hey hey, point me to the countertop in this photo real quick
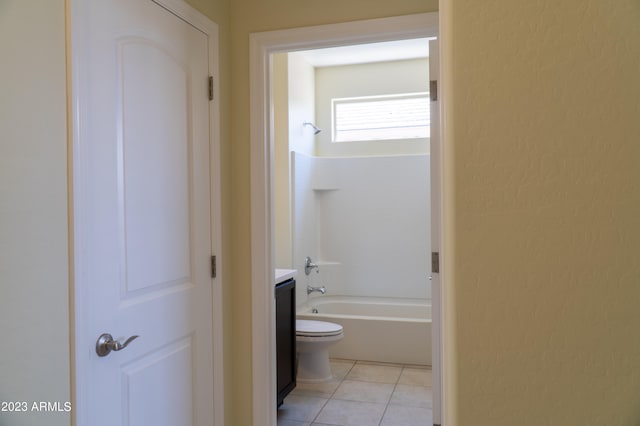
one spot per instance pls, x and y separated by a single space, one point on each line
283 275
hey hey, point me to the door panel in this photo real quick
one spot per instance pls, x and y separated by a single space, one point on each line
142 217
155 166
145 393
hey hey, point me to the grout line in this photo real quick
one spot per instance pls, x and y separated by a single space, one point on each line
395 386
320 411
332 393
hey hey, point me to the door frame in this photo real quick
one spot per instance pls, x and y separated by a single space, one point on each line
76 30
262 46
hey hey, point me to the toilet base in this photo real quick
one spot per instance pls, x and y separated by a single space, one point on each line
314 366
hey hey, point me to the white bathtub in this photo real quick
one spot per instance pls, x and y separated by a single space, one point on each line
376 329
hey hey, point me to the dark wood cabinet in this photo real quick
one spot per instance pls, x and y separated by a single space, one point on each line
286 337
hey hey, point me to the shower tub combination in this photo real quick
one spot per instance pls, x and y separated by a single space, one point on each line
376 329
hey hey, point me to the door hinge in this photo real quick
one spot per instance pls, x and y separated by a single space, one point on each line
213 267
433 90
435 262
210 88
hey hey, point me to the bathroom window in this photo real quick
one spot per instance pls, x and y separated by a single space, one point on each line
387 117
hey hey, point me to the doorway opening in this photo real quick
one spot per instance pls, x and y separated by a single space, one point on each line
263 48
352 193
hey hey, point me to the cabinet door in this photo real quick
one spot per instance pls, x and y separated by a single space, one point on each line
286 338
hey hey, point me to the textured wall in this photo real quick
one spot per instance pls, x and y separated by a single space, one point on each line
543 127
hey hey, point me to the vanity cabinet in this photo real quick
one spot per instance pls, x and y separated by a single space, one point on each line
286 337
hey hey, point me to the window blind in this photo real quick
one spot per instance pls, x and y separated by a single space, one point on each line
381 117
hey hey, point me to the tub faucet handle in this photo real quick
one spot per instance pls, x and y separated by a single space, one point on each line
309 266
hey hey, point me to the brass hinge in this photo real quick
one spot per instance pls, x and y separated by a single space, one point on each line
433 90
210 88
213 267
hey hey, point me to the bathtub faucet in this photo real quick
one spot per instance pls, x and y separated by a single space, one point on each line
309 266
310 289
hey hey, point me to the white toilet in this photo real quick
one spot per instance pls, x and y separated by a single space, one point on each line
313 339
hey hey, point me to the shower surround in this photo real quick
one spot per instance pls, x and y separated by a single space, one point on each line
366 222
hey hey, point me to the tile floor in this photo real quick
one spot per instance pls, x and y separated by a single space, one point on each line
362 394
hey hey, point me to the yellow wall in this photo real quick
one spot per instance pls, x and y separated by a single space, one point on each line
281 179
543 127
34 273
254 16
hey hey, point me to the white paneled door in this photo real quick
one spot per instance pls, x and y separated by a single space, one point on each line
142 222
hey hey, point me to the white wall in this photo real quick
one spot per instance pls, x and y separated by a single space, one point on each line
380 78
301 104
366 222
34 277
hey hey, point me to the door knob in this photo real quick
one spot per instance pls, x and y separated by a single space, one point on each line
106 344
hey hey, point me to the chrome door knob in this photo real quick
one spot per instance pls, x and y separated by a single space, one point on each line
106 344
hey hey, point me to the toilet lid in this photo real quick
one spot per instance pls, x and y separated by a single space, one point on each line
317 328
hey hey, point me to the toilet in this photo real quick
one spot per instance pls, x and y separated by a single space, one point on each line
313 339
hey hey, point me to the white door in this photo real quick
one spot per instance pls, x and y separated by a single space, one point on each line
142 243
436 229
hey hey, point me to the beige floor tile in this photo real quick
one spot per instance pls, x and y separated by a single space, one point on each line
362 394
374 373
415 376
321 389
397 415
341 367
364 391
414 396
351 413
300 408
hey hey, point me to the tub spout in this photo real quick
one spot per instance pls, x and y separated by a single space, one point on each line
310 289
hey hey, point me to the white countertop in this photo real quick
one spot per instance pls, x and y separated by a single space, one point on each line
283 275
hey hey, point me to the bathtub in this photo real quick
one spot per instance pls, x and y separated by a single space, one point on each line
376 329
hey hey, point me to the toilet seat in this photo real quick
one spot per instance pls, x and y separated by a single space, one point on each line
311 328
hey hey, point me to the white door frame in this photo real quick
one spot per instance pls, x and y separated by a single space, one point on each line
262 46
76 46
